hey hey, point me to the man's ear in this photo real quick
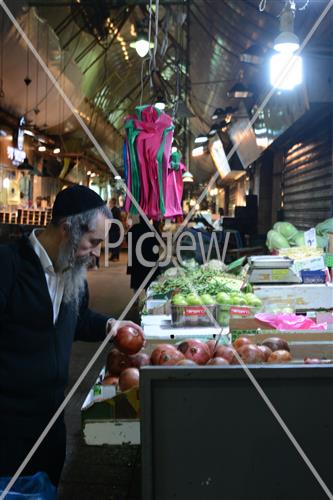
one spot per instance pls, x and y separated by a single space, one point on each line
64 228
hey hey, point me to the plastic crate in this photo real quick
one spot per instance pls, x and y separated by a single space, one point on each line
192 315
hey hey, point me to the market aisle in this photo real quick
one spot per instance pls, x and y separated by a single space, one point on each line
99 473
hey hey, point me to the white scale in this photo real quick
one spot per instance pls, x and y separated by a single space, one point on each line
272 269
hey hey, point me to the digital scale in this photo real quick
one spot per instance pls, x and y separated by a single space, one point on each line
272 269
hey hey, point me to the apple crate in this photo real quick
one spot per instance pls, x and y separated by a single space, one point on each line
193 315
226 311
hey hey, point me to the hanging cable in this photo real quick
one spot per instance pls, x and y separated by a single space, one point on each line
262 5
156 33
305 5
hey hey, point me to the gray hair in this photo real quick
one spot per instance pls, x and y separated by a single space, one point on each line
74 267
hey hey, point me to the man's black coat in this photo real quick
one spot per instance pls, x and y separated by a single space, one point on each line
34 359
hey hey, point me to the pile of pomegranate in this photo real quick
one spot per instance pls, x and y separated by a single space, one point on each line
123 367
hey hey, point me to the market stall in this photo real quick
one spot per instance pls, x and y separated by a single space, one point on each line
263 310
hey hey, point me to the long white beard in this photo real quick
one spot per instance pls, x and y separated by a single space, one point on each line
75 273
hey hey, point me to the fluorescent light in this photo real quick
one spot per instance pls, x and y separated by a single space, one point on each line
117 178
239 91
199 151
201 139
28 132
41 149
286 71
56 151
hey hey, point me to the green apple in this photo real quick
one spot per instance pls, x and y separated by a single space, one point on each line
235 300
207 299
223 318
223 298
193 300
179 300
242 301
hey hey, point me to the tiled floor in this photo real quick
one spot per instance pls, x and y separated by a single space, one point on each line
98 472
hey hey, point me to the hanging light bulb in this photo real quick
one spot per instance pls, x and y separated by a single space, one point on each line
142 45
187 176
286 68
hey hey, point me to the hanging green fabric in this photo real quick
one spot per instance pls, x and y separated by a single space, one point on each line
175 160
159 161
132 134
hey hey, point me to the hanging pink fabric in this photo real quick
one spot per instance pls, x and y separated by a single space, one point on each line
148 143
174 192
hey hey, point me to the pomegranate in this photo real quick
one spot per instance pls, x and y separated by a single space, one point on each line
276 343
129 378
227 352
240 341
195 350
217 362
279 356
251 354
117 362
266 350
129 339
166 354
139 359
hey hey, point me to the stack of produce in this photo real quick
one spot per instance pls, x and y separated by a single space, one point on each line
124 370
285 235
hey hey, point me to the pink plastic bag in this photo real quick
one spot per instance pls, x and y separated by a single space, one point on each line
290 322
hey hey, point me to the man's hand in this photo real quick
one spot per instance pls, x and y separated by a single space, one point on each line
113 325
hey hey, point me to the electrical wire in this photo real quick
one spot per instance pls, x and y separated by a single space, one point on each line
304 6
262 5
157 4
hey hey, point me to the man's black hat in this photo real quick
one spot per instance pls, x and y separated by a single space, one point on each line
75 200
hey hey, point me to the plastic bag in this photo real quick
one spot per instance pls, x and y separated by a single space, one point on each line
36 487
290 322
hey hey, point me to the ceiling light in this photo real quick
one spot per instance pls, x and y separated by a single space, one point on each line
117 178
41 149
89 172
56 151
212 131
174 149
239 91
160 105
199 151
201 139
287 41
6 183
93 174
28 132
142 45
218 112
286 71
187 176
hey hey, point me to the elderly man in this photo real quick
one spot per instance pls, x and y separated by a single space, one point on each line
43 309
